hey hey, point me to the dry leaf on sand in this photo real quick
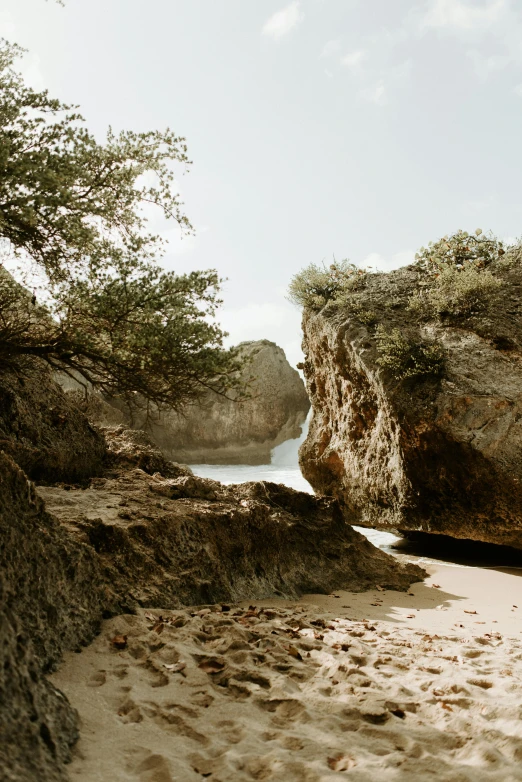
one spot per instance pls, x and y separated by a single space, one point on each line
341 763
119 641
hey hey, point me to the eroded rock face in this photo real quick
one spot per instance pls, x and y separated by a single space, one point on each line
219 431
189 540
51 599
42 428
433 455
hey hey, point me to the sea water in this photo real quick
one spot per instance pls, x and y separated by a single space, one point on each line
283 468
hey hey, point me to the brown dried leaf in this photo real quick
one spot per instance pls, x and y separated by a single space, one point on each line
294 652
119 641
158 628
469 612
341 763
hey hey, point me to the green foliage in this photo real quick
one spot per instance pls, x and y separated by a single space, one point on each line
357 311
460 250
458 282
74 208
456 292
406 358
316 286
65 199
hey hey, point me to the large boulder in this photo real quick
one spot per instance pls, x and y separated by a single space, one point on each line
220 431
432 454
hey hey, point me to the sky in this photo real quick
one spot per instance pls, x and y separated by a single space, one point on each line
318 129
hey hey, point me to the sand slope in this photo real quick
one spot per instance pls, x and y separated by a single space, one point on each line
301 692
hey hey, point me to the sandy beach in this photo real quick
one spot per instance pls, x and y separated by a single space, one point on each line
381 685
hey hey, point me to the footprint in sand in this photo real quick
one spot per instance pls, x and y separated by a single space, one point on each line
129 711
230 731
154 768
155 676
289 709
173 723
97 679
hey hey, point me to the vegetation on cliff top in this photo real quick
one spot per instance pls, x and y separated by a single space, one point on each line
455 279
459 282
71 208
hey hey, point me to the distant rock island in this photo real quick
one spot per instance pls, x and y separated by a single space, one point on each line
219 430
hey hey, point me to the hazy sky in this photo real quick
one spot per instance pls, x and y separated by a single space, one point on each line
354 128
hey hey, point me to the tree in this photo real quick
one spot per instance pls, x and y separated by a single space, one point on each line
74 208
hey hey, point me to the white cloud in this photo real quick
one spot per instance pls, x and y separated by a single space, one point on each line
353 59
462 15
330 48
283 21
485 66
518 90
376 94
384 89
378 263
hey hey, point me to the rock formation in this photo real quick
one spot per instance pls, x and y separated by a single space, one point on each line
189 540
51 599
220 431
431 454
132 537
43 430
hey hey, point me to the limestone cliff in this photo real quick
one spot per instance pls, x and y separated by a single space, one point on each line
431 454
220 431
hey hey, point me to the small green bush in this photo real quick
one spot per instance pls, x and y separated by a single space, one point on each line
405 358
456 292
316 286
360 313
458 282
459 250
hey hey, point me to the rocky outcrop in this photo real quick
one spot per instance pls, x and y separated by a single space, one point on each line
187 540
51 599
42 428
430 454
220 431
128 448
